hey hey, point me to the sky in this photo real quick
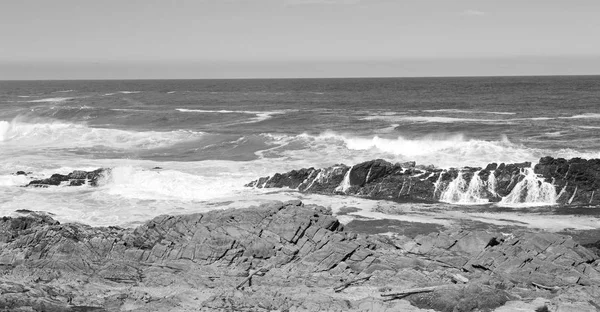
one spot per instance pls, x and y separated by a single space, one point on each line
137 39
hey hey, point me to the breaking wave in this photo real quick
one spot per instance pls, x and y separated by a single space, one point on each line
140 183
463 111
42 133
583 116
52 100
442 151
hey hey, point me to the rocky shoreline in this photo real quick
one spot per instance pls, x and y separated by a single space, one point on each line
286 257
296 257
553 181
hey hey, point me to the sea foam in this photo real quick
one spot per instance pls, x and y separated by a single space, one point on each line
21 132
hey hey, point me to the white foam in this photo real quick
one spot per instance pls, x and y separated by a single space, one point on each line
553 134
443 151
122 92
260 115
461 193
345 184
583 116
140 183
13 180
531 191
431 119
52 100
461 111
22 133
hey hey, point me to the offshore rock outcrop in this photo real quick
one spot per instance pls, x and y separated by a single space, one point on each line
551 181
284 256
75 178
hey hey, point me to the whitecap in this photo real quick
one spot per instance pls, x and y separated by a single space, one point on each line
583 116
13 180
20 133
259 115
122 92
461 111
443 151
52 100
431 119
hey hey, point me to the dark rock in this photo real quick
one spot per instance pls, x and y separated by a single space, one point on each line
21 173
575 181
75 178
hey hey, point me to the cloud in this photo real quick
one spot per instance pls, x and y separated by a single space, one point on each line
316 2
473 13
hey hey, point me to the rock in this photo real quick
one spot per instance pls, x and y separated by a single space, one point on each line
280 256
75 178
575 182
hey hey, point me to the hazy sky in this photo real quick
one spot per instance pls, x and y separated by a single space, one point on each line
74 39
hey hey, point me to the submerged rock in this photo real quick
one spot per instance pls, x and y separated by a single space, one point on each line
551 181
282 256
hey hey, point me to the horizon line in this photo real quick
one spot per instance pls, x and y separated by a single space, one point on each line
301 78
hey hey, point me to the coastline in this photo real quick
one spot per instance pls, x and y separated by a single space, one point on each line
287 256
415 254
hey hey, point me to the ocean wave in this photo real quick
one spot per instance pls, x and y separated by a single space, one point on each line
583 116
443 119
141 183
442 151
464 111
259 115
533 118
21 132
122 92
429 119
52 100
13 180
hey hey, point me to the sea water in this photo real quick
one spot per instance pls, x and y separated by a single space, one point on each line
183 146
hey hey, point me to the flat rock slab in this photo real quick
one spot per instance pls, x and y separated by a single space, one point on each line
282 256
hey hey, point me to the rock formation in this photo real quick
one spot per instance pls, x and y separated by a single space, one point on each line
75 178
567 182
287 257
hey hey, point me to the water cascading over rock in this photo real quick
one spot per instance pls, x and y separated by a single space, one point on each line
531 190
551 181
460 192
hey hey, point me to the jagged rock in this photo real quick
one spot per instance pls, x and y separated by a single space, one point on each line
75 178
281 256
575 182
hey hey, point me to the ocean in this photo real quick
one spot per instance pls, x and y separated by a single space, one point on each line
183 146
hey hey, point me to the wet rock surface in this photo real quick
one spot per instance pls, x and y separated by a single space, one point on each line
287 257
566 182
75 178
